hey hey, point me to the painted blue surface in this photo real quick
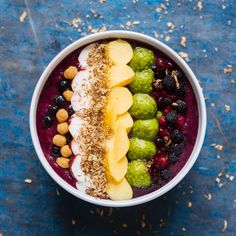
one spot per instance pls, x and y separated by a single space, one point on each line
27 47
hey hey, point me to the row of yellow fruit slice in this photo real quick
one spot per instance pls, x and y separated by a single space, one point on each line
118 119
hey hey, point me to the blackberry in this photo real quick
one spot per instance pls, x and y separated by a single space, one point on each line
165 174
47 121
179 74
177 149
64 85
180 92
52 110
171 118
56 151
180 106
172 158
169 84
177 136
60 101
163 102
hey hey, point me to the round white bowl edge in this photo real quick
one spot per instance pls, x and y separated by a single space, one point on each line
178 60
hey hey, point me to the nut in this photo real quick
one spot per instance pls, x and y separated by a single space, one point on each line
67 95
62 128
63 162
66 151
70 72
62 115
59 140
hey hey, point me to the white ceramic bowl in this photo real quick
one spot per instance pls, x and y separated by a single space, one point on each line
156 44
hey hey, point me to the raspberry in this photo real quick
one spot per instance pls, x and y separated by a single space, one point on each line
162 121
180 121
161 162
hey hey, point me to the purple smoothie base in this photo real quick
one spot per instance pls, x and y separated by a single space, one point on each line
45 135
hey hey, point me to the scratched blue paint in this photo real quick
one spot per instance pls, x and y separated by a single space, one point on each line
25 50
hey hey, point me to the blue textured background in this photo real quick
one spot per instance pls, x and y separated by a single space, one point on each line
42 207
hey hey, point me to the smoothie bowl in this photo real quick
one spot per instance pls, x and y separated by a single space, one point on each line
117 118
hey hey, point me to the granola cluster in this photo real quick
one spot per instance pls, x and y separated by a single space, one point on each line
93 135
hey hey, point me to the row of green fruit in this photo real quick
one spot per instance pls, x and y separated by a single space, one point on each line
144 111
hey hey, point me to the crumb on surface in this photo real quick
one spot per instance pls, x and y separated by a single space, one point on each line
23 16
199 5
225 226
73 222
183 41
217 146
28 181
184 229
208 196
227 107
190 204
184 55
228 69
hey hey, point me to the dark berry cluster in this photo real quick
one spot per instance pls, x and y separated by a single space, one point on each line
59 102
169 93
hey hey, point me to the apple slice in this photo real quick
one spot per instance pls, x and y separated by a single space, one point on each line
126 121
119 191
121 143
84 54
120 75
118 169
124 98
115 171
119 52
111 111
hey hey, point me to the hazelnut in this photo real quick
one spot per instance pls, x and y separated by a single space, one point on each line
59 140
66 151
62 128
63 162
67 95
70 72
62 115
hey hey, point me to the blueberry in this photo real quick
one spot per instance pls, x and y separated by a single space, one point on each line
177 136
56 151
52 110
172 158
63 85
60 101
47 121
159 142
68 137
171 118
70 111
169 84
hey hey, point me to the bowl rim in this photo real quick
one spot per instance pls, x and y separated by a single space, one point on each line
202 119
